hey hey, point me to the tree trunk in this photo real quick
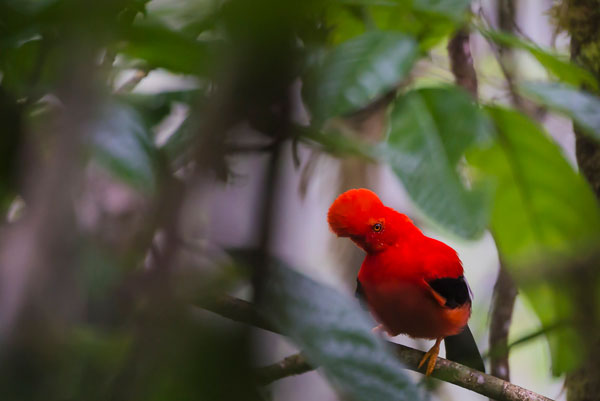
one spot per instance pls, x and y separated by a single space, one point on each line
581 18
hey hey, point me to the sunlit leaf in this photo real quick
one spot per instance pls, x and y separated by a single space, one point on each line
582 107
430 131
333 333
357 72
558 65
122 145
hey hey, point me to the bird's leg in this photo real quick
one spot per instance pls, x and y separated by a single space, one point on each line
432 355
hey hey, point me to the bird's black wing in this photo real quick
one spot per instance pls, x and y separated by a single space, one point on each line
461 347
454 290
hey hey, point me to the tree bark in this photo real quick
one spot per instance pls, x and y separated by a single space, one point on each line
461 61
581 18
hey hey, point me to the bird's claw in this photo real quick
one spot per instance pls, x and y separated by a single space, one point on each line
430 355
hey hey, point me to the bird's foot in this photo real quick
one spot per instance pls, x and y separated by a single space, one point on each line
432 355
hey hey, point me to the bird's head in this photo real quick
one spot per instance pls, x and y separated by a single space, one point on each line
361 216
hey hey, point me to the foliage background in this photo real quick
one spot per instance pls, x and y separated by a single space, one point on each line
142 140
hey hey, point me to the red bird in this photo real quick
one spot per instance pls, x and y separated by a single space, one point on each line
413 284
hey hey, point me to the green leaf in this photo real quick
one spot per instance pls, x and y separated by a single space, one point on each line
358 71
452 9
582 107
428 20
169 49
542 210
541 204
430 131
122 145
334 333
556 64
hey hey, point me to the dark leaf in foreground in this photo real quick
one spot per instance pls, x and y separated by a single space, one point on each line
333 332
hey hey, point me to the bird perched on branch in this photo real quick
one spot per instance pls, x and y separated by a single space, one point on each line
412 284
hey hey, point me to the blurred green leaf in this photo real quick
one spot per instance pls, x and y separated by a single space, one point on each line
552 302
558 65
453 9
334 333
29 68
123 146
428 20
343 23
582 107
165 48
541 203
542 209
358 71
430 129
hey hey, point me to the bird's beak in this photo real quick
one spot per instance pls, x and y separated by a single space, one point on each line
360 241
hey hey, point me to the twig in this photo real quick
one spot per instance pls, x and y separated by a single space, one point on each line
501 54
132 82
505 292
526 338
503 303
290 366
445 370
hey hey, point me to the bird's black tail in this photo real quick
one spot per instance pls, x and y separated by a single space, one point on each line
462 348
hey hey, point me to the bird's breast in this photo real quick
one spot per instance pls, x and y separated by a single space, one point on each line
407 307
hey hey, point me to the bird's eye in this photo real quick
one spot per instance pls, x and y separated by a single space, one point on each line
377 227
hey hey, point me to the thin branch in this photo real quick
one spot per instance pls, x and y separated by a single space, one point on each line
290 366
505 290
132 82
505 293
526 338
445 370
502 56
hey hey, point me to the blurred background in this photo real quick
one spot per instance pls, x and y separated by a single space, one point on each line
143 140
